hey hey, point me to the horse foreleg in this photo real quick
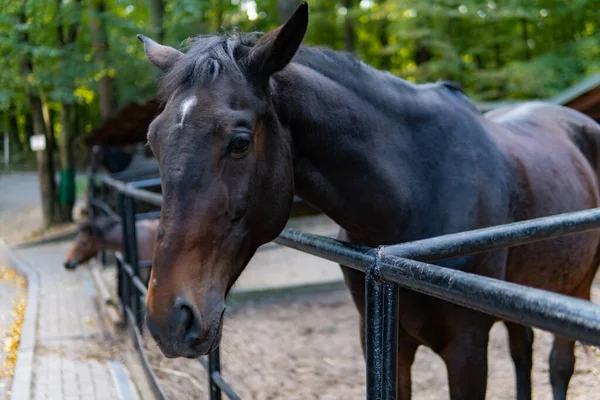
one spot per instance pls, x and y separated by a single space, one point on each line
466 361
355 281
562 365
520 340
407 348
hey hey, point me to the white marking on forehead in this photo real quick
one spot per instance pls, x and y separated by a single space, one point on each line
186 106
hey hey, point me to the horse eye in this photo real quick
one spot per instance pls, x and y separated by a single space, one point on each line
84 242
240 143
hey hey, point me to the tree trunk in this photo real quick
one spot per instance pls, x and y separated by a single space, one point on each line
422 54
44 158
12 128
28 127
498 55
100 47
67 171
349 29
46 117
218 21
157 11
525 36
386 58
66 36
44 161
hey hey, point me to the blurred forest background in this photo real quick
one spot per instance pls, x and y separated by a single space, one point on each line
65 65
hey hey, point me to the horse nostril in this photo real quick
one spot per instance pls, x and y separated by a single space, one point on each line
70 265
188 326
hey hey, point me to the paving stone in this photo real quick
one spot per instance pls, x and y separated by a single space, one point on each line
70 355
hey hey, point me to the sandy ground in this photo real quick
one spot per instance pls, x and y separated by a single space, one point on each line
307 347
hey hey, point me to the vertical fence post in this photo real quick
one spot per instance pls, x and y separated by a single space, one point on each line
390 341
103 197
125 279
214 365
374 333
133 254
91 196
381 334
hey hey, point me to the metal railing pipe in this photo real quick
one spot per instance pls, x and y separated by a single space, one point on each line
574 318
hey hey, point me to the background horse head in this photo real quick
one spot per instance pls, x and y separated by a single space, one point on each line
226 172
92 238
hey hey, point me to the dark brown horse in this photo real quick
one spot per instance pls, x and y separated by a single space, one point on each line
105 233
250 121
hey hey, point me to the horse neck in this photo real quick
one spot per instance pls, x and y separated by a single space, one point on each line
112 239
339 134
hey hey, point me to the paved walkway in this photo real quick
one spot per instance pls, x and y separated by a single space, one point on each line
76 355
20 210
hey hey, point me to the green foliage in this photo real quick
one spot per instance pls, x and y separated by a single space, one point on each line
496 49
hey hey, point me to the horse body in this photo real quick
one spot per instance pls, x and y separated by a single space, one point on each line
554 154
434 166
387 160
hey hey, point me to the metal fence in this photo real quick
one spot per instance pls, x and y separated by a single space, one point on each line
386 268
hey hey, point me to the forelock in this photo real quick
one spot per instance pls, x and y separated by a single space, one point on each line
206 57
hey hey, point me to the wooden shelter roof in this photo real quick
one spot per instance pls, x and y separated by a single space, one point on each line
584 97
126 127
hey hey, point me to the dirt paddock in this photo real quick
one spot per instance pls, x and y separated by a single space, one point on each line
307 347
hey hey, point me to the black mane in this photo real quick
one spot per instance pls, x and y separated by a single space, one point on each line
209 55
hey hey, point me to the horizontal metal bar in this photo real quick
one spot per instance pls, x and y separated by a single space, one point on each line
138 194
141 264
148 215
139 346
567 316
104 207
137 282
132 175
497 237
348 254
446 246
144 183
574 318
218 380
437 248
536 307
140 285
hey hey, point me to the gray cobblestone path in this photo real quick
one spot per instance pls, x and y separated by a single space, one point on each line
72 343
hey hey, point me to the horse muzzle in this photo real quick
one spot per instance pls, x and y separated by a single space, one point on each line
70 265
184 333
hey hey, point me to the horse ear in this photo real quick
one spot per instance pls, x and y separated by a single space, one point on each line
163 57
277 48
